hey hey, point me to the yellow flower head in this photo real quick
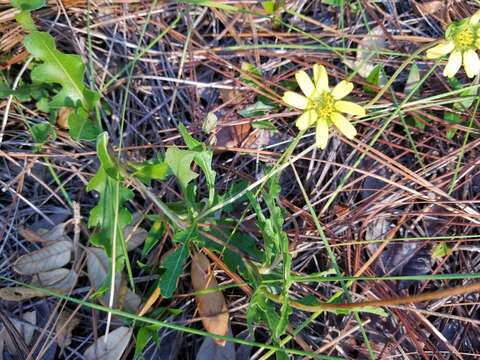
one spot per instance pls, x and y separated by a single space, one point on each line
462 39
323 106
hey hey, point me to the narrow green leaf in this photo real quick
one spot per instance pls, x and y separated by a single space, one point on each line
173 264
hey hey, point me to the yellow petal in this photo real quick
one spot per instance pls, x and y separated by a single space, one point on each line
296 100
475 18
350 108
306 120
441 49
453 64
321 134
342 124
305 83
471 62
320 77
342 89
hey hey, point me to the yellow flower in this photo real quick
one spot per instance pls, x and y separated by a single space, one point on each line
462 39
323 106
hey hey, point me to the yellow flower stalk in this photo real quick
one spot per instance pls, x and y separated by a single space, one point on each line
462 39
323 106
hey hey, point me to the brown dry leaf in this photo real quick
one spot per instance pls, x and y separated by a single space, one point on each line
232 136
430 7
211 305
64 327
109 347
98 265
19 293
62 117
48 258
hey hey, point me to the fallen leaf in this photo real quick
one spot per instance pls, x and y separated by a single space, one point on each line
211 305
111 346
210 350
98 267
48 278
47 258
232 136
135 236
372 42
430 7
19 293
64 327
25 328
67 284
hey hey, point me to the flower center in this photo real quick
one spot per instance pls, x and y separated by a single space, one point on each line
324 104
464 38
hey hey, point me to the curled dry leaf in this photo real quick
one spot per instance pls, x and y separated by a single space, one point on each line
48 258
211 305
98 265
62 117
109 347
65 324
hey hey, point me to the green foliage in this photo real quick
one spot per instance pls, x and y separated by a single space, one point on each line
155 233
180 163
173 265
42 133
155 169
28 5
110 215
374 79
440 250
57 68
202 157
265 125
275 248
257 109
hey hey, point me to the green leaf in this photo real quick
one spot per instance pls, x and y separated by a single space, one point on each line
24 18
337 3
154 236
202 157
180 163
28 5
42 133
173 264
110 215
373 78
440 250
269 6
82 126
413 78
257 109
264 124
67 70
156 169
